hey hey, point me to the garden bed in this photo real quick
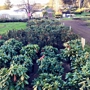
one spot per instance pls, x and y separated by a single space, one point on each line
43 57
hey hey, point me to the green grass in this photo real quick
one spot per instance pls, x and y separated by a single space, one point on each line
83 15
88 21
67 18
5 27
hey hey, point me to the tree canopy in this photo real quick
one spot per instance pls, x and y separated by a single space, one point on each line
7 4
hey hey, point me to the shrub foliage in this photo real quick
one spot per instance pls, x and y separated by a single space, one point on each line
43 32
38 52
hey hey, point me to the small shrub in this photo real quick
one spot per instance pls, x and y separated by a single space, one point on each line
48 82
2 42
43 32
14 78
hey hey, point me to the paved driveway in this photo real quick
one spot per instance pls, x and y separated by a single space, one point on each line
79 27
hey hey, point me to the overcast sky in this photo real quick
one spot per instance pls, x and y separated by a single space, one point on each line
20 1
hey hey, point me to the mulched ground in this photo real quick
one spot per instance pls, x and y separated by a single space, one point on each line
80 28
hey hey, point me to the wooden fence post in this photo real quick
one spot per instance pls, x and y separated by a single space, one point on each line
63 24
83 42
70 27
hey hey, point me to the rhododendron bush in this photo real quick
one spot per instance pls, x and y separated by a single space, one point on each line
45 56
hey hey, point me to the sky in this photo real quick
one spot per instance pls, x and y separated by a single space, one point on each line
20 1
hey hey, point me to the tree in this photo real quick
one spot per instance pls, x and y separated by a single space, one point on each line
81 3
28 8
86 3
7 4
2 7
51 3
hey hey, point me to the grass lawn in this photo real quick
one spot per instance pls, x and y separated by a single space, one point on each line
82 16
67 18
88 21
5 27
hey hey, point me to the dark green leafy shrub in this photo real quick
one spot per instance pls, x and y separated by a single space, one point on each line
72 80
47 81
79 78
43 22
79 63
50 65
72 50
14 78
9 49
49 51
49 61
67 34
87 47
12 47
16 44
30 51
42 32
23 60
85 82
2 42
4 59
86 69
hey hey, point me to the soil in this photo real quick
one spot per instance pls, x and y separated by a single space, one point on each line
33 75
67 69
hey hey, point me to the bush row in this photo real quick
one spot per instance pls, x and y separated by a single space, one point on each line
42 32
41 43
67 69
16 61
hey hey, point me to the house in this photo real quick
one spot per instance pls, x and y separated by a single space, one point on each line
17 14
